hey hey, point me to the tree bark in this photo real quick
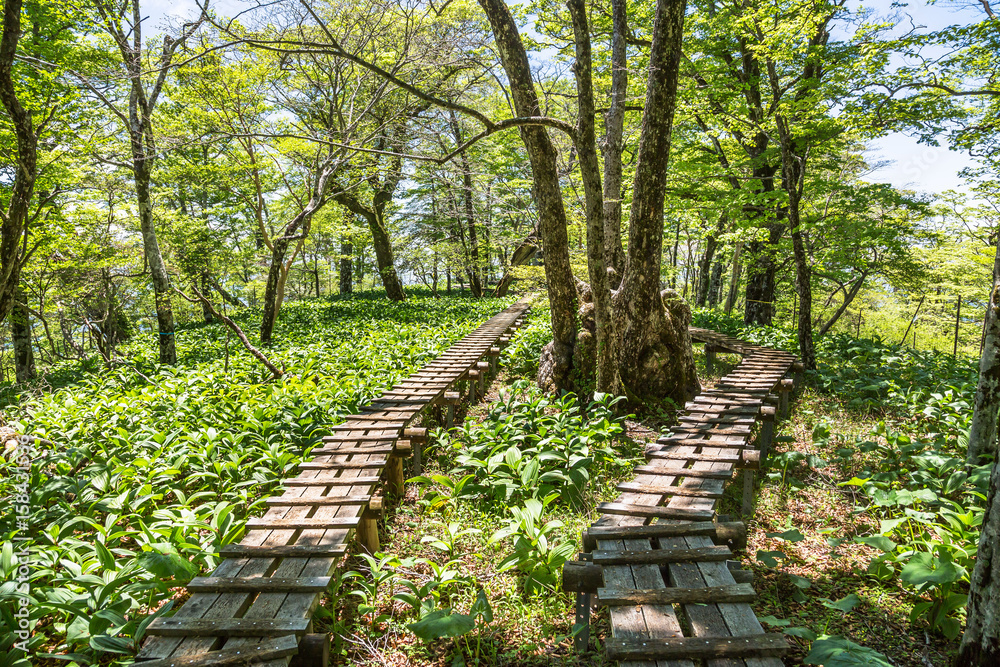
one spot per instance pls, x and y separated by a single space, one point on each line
980 645
716 283
346 264
141 166
297 228
653 347
604 355
611 147
548 195
734 279
475 282
848 300
759 306
206 312
226 296
15 220
983 429
375 217
525 250
20 333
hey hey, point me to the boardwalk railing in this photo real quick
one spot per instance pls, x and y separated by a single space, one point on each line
641 570
256 607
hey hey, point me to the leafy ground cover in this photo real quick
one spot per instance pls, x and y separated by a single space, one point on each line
862 542
145 471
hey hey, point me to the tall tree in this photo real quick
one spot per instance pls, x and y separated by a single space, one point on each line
143 76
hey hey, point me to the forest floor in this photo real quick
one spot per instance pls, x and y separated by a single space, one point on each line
823 567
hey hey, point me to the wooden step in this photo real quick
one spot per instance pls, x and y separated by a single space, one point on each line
721 533
283 550
344 451
661 556
330 481
697 648
258 584
284 524
611 597
361 438
230 627
697 456
342 465
318 501
665 489
261 652
686 472
370 425
629 509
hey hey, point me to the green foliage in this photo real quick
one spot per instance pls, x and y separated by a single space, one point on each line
153 469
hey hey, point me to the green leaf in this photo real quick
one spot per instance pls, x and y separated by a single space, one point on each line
442 623
774 622
792 535
839 652
844 604
923 569
880 542
769 558
804 633
167 565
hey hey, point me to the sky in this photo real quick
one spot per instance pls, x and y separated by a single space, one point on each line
900 160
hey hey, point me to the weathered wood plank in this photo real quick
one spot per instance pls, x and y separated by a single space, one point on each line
632 509
258 584
612 597
662 556
696 648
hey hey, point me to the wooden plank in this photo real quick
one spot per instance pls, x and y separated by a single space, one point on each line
330 481
249 655
365 423
632 509
231 627
686 472
361 438
611 597
697 456
322 500
344 451
283 550
266 523
258 584
666 489
697 648
342 465
662 556
654 530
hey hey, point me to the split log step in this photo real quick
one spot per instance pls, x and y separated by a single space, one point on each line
361 438
262 652
697 648
258 584
283 550
230 627
368 424
664 489
317 500
673 455
344 451
330 481
296 524
630 509
731 531
662 556
687 472
611 597
342 465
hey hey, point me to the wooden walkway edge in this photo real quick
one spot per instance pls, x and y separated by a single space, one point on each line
257 605
673 598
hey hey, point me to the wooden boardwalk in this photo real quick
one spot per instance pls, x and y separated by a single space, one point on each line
674 599
256 606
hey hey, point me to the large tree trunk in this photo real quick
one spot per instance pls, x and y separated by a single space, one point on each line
557 360
346 264
384 258
653 346
848 300
206 312
980 645
278 249
759 306
716 283
734 279
20 333
603 341
521 256
983 430
141 167
614 123
475 282
25 166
